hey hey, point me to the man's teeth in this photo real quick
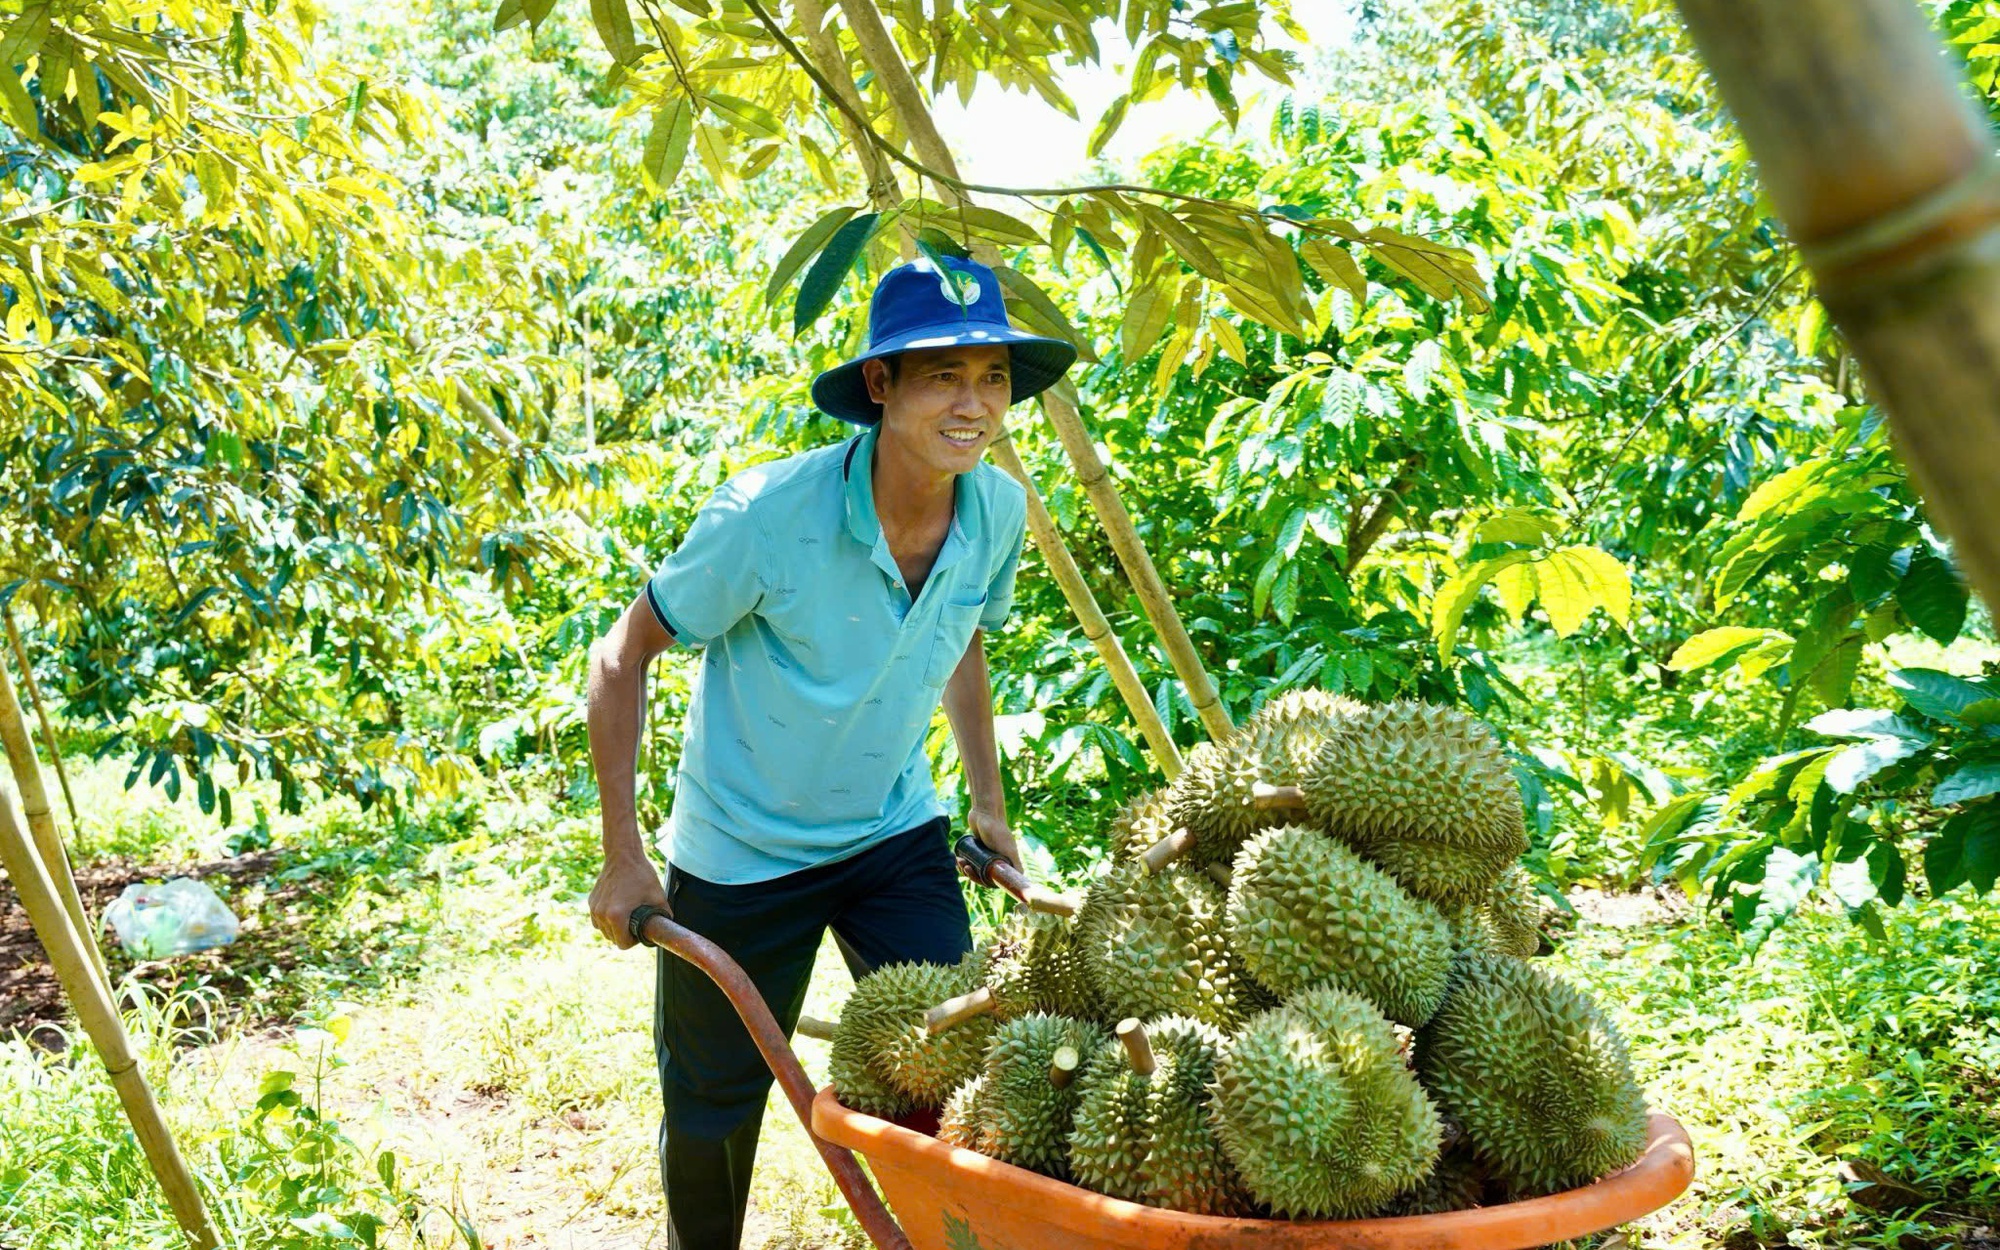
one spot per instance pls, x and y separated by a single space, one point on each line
966 437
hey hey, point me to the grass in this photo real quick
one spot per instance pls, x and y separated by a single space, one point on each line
471 1066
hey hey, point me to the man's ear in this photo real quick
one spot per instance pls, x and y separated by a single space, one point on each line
876 375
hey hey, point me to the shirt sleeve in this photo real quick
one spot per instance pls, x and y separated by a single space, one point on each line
1000 591
713 579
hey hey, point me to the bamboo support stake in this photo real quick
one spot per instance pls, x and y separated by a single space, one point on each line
42 718
1884 172
879 50
100 1020
883 192
42 824
1096 626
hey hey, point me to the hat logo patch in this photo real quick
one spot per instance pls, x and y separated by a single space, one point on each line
960 288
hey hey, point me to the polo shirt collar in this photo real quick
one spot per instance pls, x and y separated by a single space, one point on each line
857 481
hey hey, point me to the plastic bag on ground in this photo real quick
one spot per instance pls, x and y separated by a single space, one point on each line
176 917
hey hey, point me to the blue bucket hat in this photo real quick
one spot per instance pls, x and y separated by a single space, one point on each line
917 306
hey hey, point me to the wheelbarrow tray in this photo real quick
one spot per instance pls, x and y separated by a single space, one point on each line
951 1199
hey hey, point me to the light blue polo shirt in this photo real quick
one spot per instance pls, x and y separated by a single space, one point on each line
819 676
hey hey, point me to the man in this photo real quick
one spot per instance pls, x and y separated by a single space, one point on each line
838 596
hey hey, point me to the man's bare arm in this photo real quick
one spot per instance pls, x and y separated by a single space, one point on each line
617 719
968 705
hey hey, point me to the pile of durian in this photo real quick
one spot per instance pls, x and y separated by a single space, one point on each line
1300 990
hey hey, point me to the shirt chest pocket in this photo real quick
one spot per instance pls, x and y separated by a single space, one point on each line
956 621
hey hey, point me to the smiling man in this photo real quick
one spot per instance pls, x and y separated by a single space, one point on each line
837 597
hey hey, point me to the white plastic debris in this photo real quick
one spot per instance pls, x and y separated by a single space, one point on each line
176 917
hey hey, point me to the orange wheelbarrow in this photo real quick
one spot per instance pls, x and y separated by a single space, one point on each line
953 1199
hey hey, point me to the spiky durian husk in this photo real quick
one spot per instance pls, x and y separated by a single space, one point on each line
1457 1183
1154 945
1211 799
1425 792
851 1064
1025 1118
1147 1138
1536 1074
1506 920
1305 910
1315 1107
881 1029
1290 729
1032 964
1139 824
959 1124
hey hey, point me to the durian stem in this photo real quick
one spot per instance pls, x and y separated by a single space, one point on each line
1132 1035
1156 857
956 1011
1062 1066
815 1028
1269 798
1220 874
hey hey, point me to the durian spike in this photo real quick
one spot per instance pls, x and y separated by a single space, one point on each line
1406 1041
1156 857
816 1028
956 1011
1132 1035
1062 1066
1220 874
1269 798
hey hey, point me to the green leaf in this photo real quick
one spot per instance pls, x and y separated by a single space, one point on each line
1937 695
934 243
803 249
1285 594
1024 288
1782 489
613 20
667 143
1517 525
1146 315
1788 878
1336 265
1966 848
1846 771
1575 580
996 225
1975 781
1456 595
510 14
1932 596
751 118
1727 642
823 280
1107 125
1185 244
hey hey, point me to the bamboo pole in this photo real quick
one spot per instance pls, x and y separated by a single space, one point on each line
879 50
883 192
1884 172
42 718
100 1020
42 823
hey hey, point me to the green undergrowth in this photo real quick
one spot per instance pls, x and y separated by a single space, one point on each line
1827 1049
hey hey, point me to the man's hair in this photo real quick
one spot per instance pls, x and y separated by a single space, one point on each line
894 364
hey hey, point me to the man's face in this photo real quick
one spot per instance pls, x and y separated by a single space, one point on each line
945 403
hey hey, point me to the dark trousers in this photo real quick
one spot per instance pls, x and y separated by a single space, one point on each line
895 902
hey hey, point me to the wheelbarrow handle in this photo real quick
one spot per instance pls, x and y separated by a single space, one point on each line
990 868
654 927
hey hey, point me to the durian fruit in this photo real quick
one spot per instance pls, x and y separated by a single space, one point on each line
1033 964
1319 1113
1140 824
1457 1183
959 1122
1030 1092
1142 1129
1153 945
1424 791
1505 921
1536 1074
1290 729
1304 910
1211 805
881 1040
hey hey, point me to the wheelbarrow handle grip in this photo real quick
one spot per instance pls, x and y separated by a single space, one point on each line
990 868
653 926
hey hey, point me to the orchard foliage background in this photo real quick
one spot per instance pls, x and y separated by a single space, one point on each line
358 362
